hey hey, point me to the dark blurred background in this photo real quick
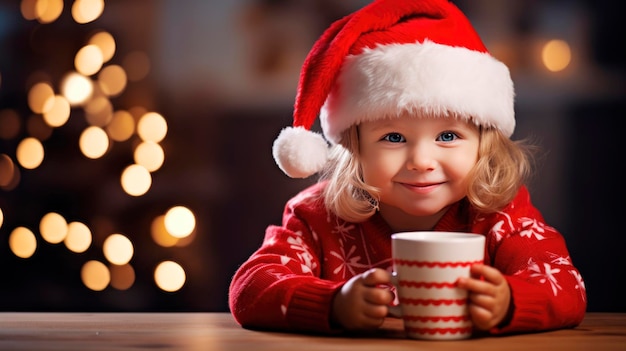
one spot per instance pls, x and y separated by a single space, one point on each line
223 74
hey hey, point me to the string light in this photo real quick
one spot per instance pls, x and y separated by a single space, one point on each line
90 87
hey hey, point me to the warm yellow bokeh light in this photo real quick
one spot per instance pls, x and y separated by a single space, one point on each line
159 233
93 142
1 218
180 221
22 242
152 127
169 276
95 275
30 153
53 228
40 97
150 155
112 80
122 277
556 55
85 11
99 111
59 113
106 43
27 8
48 11
118 249
122 126
88 60
9 173
76 88
78 238
7 170
136 180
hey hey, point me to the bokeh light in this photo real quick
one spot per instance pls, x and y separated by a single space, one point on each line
150 155
40 97
99 111
88 60
112 80
89 88
28 9
53 228
118 249
76 88
122 276
93 142
556 55
78 238
169 276
47 11
159 233
58 113
106 43
180 221
30 153
22 242
7 170
85 11
136 180
95 275
152 127
122 126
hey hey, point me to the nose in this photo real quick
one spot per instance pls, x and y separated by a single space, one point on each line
421 158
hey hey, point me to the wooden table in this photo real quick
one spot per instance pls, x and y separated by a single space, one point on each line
218 331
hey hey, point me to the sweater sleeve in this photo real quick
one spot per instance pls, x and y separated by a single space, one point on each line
279 286
547 290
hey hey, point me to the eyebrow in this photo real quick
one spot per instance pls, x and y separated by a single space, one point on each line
382 125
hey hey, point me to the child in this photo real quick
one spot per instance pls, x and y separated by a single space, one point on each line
419 118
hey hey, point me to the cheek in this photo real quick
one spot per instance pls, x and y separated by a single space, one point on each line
376 169
465 163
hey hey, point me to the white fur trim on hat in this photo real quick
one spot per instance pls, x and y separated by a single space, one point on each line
420 78
299 152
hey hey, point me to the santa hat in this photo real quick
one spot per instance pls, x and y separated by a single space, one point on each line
392 57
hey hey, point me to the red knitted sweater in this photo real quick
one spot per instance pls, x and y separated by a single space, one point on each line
290 281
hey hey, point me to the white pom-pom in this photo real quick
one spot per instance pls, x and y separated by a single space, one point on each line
299 152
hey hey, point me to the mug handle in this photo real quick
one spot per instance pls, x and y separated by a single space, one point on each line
395 310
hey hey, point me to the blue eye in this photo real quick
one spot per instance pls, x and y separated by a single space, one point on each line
394 138
447 136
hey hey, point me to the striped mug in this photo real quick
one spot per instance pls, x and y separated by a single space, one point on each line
426 266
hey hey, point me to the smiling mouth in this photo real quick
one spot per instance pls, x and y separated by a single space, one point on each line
422 187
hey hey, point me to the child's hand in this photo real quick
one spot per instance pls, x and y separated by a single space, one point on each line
362 303
489 297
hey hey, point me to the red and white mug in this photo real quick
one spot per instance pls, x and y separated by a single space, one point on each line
426 267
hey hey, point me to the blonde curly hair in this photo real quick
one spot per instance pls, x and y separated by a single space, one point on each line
503 166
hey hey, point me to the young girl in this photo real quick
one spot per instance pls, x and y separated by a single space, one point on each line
419 118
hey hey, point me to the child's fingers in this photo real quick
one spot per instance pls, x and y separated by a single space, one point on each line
376 276
487 273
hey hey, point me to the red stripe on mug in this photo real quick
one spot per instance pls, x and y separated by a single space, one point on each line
434 264
436 302
433 331
412 318
428 285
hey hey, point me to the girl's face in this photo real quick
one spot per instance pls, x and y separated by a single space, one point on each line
420 166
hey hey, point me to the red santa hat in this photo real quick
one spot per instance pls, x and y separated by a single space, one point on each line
392 57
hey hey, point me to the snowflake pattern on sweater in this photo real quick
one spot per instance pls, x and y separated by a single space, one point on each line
289 282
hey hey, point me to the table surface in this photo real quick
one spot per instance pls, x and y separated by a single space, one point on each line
218 331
